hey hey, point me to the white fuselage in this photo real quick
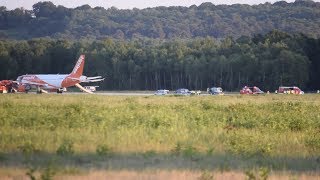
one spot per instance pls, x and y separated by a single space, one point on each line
49 81
46 81
54 80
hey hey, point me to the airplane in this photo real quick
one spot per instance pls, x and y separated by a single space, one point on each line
56 82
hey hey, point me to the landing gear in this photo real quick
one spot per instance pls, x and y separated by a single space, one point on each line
59 91
12 90
39 91
26 88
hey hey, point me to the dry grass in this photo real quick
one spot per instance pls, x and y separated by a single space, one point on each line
15 174
160 137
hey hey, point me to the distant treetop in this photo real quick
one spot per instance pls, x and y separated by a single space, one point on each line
207 19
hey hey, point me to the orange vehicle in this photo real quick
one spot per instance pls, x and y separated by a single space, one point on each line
6 86
289 90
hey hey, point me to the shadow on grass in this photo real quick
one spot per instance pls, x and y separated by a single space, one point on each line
152 160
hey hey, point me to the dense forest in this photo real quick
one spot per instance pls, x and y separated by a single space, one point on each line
168 47
276 58
218 21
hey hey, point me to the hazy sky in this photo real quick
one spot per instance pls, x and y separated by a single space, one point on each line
127 4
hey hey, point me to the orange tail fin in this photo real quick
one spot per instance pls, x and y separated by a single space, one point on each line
78 68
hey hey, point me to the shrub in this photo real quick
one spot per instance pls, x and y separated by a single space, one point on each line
149 153
250 175
312 142
246 145
189 151
66 148
177 149
103 150
206 175
210 151
264 173
48 172
28 149
30 173
206 105
296 124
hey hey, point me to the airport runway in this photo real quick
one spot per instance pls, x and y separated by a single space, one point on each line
124 93
151 93
137 93
142 93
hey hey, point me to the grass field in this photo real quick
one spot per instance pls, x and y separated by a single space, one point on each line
48 135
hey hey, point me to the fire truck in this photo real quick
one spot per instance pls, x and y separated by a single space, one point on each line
9 86
289 90
6 86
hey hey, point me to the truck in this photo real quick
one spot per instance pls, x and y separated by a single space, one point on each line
215 91
91 88
6 86
289 90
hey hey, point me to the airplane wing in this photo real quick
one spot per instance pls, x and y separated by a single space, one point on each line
35 84
93 80
88 79
95 77
76 79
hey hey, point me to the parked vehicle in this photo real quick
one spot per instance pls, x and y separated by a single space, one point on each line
7 86
91 88
215 91
161 92
251 90
183 91
198 92
289 90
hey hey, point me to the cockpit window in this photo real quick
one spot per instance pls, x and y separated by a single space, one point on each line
19 78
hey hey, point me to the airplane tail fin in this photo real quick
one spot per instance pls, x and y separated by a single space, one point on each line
78 68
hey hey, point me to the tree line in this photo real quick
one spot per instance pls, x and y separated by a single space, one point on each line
268 61
207 19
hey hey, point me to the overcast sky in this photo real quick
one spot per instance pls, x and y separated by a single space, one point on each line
127 4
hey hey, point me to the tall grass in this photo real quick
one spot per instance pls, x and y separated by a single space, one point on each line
271 125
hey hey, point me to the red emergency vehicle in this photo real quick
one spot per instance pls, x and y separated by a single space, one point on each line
6 86
289 90
251 90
